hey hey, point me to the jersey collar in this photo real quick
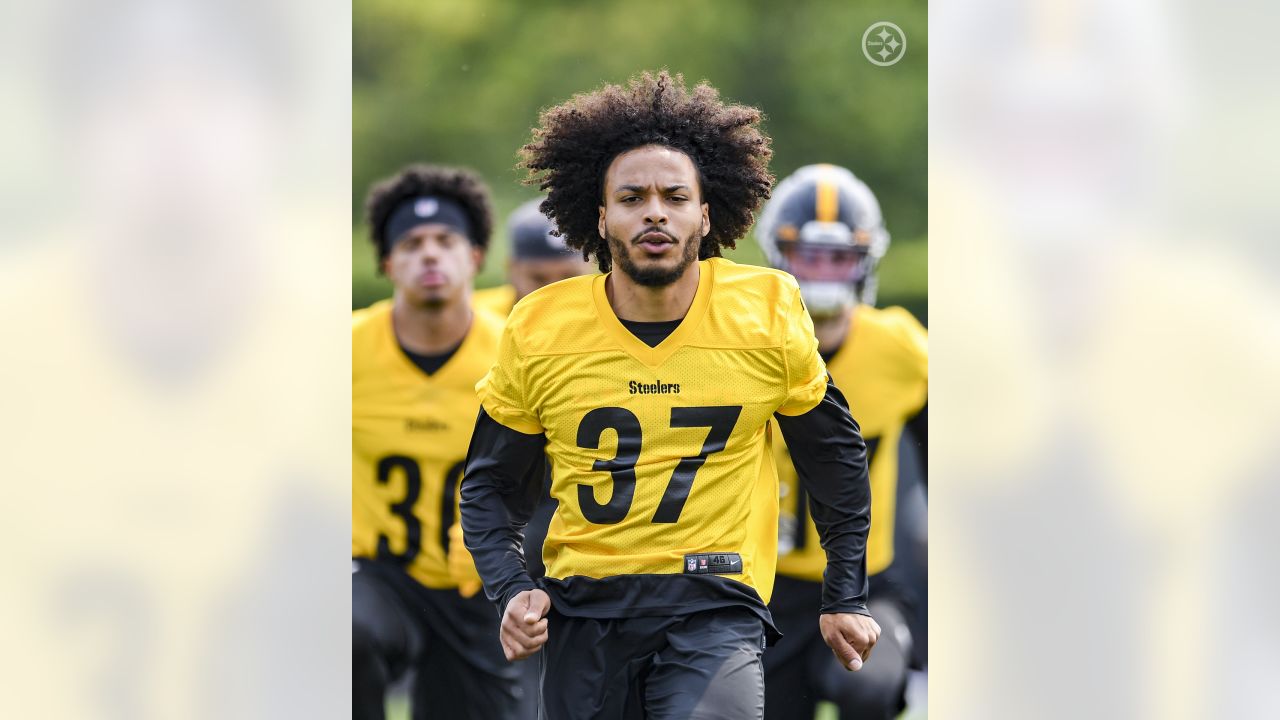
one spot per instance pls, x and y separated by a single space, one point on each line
634 346
446 372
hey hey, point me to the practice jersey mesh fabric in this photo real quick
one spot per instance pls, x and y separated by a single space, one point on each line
663 452
409 436
883 370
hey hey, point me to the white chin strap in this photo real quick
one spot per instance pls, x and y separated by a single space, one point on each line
824 299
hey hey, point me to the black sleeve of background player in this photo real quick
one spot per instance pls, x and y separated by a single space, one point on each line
919 427
500 490
831 459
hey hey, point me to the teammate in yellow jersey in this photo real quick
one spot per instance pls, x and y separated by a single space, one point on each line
415 361
537 257
823 225
650 388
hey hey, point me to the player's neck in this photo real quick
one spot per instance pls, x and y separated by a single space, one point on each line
641 303
430 330
832 331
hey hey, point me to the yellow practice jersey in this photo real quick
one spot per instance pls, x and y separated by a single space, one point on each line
497 300
660 456
883 370
409 437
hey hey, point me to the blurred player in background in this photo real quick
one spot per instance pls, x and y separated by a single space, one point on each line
537 257
651 389
415 361
823 225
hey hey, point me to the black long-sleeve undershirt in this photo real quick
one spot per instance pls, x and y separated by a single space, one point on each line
830 458
500 490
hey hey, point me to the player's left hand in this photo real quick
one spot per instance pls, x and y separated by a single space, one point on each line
850 636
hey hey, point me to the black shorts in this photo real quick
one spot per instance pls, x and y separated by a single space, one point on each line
703 666
449 642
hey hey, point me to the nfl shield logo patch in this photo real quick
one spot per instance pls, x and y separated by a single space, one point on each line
693 564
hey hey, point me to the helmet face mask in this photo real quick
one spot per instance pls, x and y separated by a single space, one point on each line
826 300
823 226
826 252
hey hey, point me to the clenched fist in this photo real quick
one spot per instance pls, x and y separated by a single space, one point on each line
524 624
850 637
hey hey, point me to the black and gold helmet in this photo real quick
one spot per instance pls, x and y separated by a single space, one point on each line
823 226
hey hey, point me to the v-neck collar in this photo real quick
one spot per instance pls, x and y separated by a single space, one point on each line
634 346
406 364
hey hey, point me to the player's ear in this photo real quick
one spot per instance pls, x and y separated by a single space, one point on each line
600 225
477 259
706 219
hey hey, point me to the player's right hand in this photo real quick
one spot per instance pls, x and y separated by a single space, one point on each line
524 624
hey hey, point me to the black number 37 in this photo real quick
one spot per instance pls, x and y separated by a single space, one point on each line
622 466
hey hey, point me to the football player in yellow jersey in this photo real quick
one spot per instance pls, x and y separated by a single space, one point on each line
823 225
415 361
650 388
537 257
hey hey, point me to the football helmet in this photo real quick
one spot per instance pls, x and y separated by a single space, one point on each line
532 234
823 226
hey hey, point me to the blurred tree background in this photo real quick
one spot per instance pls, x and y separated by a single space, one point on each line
462 82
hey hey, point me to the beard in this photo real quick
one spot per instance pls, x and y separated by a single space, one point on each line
654 275
431 300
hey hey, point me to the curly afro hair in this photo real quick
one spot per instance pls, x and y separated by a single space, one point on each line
461 185
577 140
